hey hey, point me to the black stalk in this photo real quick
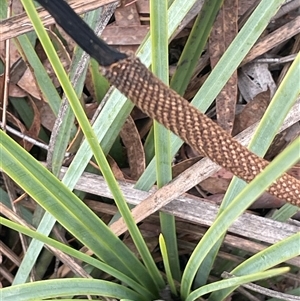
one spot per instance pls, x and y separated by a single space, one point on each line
81 33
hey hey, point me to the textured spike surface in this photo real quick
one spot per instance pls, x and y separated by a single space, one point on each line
161 103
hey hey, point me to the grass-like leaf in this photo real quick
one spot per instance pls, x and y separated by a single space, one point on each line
287 158
66 287
69 210
107 268
43 80
94 145
61 137
235 282
165 256
195 45
160 67
271 256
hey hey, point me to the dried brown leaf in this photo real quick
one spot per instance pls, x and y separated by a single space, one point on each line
252 112
135 151
224 31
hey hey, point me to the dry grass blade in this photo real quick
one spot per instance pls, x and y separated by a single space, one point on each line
272 40
21 24
223 32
